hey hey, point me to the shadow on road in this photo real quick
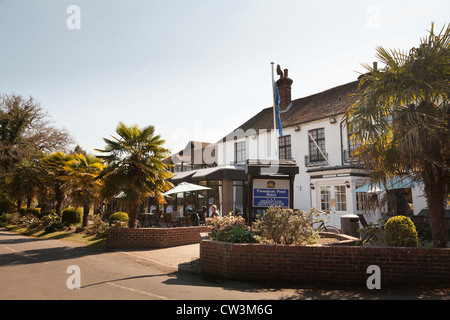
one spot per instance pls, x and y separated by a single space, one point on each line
39 255
124 279
315 291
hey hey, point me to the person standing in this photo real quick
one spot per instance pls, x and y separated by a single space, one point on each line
214 211
203 214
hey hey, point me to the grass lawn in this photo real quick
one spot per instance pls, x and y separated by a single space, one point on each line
68 234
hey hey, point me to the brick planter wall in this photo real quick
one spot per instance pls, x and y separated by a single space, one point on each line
148 238
333 264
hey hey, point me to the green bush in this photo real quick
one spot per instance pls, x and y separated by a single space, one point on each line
118 216
6 204
98 227
11 218
72 216
35 212
33 222
240 234
49 218
400 231
31 211
285 226
229 229
51 212
54 226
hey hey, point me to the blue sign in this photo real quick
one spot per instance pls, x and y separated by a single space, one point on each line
270 197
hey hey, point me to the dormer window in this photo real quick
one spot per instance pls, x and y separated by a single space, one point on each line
240 152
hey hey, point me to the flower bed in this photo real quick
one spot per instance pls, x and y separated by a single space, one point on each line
277 225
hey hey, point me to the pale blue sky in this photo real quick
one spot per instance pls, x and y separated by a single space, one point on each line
195 69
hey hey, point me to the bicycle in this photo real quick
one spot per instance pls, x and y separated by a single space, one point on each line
324 228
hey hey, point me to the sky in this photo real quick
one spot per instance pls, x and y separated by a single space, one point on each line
194 69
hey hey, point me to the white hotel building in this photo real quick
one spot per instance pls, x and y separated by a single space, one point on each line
316 138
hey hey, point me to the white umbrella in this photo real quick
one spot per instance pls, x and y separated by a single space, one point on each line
185 187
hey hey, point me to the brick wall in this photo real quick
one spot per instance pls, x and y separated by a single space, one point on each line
335 264
148 238
227 194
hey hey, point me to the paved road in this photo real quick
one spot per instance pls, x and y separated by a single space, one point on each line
36 269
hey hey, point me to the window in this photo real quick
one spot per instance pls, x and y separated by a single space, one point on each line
325 198
240 153
319 136
333 198
341 198
353 144
285 147
361 200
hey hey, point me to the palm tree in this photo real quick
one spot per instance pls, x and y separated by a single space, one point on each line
135 167
400 125
55 166
83 173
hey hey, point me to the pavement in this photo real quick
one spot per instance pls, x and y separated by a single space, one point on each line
180 258
39 267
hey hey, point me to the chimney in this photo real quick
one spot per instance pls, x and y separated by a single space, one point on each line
284 88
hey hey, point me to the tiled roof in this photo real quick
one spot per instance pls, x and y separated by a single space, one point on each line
318 106
187 155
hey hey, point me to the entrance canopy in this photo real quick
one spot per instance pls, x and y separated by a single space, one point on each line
228 172
394 183
185 187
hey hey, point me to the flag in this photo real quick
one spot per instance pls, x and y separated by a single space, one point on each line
277 109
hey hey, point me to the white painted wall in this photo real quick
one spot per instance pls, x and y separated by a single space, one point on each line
260 146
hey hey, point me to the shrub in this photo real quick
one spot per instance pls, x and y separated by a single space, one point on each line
54 226
33 223
6 204
285 226
240 234
98 227
229 229
48 219
72 216
118 216
11 218
117 224
30 211
400 231
51 212
35 212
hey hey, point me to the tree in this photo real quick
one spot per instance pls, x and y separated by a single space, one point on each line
135 167
26 130
57 173
85 185
400 124
24 180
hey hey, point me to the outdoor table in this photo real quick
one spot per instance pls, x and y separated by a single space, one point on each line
180 220
149 219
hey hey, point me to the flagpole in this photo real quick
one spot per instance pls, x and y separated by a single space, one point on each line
274 114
